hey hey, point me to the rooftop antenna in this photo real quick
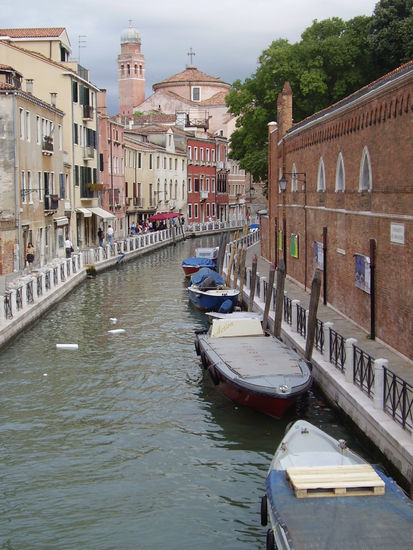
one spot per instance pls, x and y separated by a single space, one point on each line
190 54
81 44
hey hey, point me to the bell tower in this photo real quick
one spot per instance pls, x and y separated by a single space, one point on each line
131 71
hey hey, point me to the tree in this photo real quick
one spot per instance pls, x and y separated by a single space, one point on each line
330 62
391 34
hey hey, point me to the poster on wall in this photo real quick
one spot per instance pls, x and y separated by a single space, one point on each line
319 255
294 245
280 239
362 278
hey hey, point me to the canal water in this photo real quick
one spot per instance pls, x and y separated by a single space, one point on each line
126 444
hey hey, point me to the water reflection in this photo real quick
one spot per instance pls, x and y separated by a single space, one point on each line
126 444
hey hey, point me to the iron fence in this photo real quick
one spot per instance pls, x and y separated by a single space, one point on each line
398 398
319 336
363 371
288 310
301 321
337 350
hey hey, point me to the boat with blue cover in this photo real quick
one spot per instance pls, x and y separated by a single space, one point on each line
204 257
322 495
208 292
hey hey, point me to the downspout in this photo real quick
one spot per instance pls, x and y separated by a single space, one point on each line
16 185
73 186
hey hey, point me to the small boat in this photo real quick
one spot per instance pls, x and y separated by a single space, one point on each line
208 292
251 367
204 257
321 494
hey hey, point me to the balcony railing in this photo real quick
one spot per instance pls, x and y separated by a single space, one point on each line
88 153
203 195
88 112
51 202
47 145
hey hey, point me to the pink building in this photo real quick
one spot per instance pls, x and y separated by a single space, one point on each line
201 180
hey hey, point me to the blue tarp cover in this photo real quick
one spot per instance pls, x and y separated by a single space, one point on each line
381 522
203 273
205 262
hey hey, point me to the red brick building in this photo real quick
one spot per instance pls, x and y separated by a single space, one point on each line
348 203
201 180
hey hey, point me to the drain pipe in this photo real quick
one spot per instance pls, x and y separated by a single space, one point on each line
16 187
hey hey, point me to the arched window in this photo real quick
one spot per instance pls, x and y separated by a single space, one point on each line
294 178
122 70
365 182
128 68
321 176
340 174
136 69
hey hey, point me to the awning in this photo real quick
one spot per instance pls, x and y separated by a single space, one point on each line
102 213
62 220
87 213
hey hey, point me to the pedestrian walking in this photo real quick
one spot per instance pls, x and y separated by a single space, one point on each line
100 236
30 255
110 234
68 247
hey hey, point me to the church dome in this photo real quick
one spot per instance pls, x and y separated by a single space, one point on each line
130 36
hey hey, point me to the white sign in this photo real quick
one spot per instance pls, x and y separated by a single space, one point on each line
397 233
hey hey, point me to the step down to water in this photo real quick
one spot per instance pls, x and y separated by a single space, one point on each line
335 481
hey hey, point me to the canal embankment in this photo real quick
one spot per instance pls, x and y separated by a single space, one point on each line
365 379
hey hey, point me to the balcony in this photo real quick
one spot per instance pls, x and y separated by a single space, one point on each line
88 153
203 195
88 112
47 146
51 202
138 201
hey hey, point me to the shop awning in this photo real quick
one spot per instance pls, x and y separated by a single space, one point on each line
62 220
102 213
87 213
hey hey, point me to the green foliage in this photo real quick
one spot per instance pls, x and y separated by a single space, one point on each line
333 59
391 34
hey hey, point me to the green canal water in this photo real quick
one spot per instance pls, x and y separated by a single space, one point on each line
125 444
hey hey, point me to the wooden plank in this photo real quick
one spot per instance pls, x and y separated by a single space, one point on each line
327 481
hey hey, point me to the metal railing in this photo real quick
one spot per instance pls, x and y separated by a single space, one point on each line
288 313
319 336
398 398
363 370
337 350
301 321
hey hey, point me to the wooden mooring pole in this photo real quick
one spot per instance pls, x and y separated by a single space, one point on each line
268 297
231 263
279 298
312 315
253 282
242 273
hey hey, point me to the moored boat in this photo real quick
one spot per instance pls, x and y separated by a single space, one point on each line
321 494
204 257
252 368
208 292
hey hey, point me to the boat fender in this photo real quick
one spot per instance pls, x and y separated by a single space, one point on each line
198 351
213 374
226 307
113 320
264 511
270 540
116 331
67 346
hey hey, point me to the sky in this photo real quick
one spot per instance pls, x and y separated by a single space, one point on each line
227 36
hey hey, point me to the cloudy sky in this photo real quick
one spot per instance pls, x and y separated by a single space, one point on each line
227 36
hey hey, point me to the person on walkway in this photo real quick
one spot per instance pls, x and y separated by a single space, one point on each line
68 247
132 229
110 234
100 236
30 255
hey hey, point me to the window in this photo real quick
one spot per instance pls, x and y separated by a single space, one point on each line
189 152
196 185
208 210
365 182
75 92
39 186
38 130
201 151
321 176
23 187
60 132
213 209
196 210
189 211
213 185
21 120
189 185
61 186
294 179
340 174
29 187
139 160
150 162
27 125
207 155
196 93
213 155
195 153
207 185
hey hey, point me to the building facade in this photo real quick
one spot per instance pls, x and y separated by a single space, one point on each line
341 200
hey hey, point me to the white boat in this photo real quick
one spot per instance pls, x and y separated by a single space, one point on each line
321 495
251 367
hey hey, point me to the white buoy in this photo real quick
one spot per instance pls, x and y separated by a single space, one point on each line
113 320
116 331
67 346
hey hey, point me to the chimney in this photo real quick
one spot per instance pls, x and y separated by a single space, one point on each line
29 86
53 96
101 102
285 110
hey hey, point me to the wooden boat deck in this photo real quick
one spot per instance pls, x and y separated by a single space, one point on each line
256 356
